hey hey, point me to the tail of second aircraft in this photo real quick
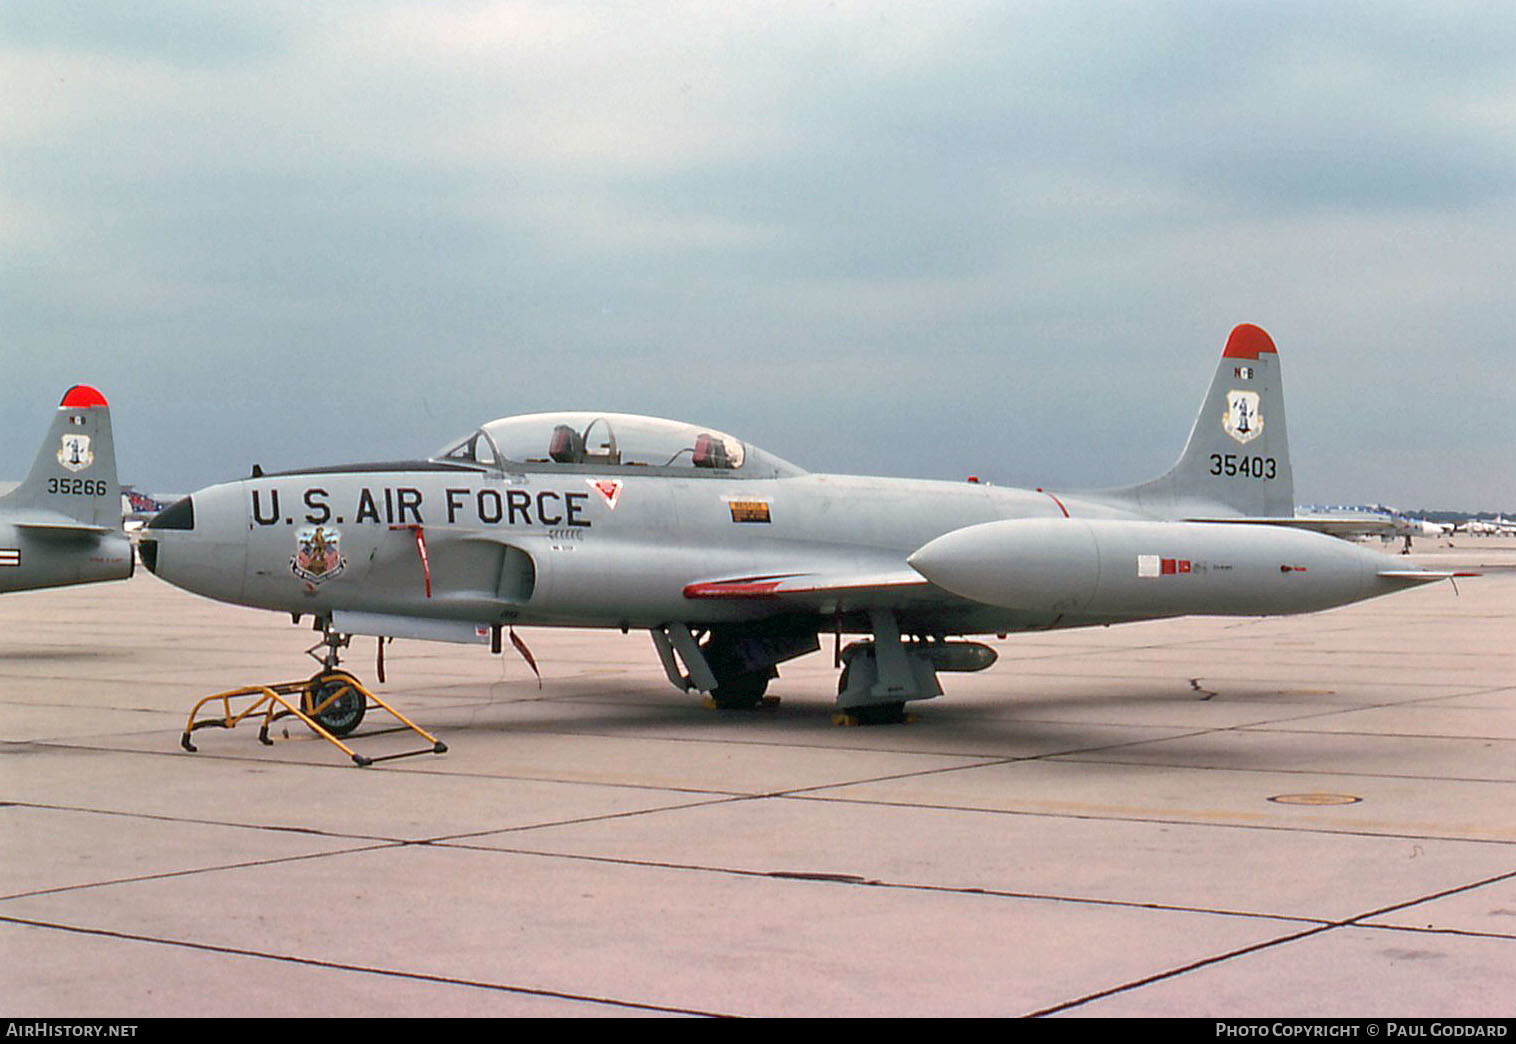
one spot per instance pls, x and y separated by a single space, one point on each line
74 475
1237 459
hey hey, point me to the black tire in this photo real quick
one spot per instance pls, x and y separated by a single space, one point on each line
743 692
879 714
869 713
342 715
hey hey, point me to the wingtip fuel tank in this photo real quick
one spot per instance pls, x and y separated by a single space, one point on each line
1119 568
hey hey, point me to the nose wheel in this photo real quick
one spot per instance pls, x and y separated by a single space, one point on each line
333 697
335 701
331 702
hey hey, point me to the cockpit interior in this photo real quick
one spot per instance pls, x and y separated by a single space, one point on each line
600 441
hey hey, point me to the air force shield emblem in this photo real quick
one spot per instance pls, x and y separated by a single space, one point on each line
75 453
317 556
1242 421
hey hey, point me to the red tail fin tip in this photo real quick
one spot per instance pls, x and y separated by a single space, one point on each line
82 397
1248 342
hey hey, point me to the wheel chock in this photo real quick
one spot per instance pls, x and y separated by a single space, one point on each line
874 714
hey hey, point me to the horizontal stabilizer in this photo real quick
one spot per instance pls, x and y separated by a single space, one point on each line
64 528
1337 527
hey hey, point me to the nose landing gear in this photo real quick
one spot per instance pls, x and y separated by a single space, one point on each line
331 703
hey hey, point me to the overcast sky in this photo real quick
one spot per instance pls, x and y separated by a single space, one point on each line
1006 239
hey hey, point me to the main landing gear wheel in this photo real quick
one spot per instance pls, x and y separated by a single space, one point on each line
744 692
874 714
869 714
344 712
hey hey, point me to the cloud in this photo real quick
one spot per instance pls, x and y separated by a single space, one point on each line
973 225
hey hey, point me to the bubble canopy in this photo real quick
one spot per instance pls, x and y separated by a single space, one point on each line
615 441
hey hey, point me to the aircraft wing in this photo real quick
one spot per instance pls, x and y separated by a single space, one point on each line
1421 576
810 586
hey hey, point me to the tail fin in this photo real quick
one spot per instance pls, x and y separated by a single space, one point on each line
74 474
1237 459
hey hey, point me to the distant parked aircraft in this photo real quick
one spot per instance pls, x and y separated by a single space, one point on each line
63 524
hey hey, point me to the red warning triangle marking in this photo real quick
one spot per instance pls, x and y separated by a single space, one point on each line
609 490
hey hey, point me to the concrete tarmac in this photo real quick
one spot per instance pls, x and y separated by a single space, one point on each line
1308 816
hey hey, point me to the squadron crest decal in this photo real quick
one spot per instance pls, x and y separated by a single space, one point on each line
318 556
75 453
1242 421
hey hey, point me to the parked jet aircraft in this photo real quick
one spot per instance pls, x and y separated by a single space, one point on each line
63 524
138 508
1369 521
737 561
1497 526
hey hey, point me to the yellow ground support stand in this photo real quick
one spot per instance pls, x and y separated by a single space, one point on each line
332 703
